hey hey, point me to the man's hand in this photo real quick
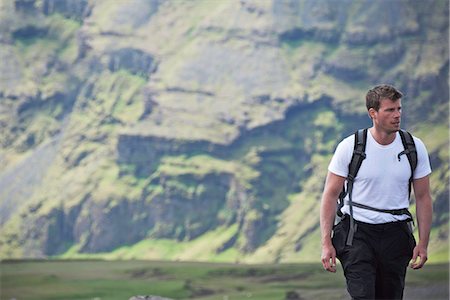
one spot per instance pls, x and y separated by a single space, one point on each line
421 252
329 258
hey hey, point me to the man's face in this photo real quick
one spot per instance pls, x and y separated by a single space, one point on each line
388 116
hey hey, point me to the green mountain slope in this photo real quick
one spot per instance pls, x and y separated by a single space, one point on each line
201 130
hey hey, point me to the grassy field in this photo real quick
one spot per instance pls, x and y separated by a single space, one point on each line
99 280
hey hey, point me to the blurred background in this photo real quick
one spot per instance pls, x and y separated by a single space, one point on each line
201 130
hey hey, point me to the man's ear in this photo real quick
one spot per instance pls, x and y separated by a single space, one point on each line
371 113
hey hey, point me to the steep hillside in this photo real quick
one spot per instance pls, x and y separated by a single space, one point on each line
201 130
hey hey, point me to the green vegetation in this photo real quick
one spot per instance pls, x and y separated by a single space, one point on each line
203 248
90 279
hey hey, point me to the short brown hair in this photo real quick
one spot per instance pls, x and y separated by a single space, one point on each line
380 92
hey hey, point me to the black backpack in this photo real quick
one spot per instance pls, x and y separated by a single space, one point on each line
358 156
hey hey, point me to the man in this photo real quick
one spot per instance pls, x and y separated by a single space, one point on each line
376 257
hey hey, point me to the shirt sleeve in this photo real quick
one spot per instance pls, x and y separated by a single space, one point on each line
423 167
341 158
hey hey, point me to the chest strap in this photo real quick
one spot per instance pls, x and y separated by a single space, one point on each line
395 212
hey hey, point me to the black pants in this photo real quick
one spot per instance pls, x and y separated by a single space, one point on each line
375 265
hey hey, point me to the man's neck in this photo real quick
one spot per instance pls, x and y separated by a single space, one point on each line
382 137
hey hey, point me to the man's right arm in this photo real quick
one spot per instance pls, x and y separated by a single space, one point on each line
333 187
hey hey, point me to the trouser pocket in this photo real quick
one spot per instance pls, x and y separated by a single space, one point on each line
340 232
408 229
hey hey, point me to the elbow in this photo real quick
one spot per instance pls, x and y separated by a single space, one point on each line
424 198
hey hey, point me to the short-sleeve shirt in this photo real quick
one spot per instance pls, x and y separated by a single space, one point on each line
383 179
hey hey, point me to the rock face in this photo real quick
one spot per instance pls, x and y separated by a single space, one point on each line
134 61
203 125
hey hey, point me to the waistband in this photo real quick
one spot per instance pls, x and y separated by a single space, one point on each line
379 226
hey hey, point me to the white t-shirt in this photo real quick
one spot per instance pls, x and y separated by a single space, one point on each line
382 181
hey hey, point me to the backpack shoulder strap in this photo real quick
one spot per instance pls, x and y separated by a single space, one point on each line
410 151
410 148
359 153
358 156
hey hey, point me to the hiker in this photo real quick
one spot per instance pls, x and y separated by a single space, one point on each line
371 174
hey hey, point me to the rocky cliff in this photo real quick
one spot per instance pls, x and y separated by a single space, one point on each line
200 130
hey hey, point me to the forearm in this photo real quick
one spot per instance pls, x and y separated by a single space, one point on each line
424 213
424 208
333 187
327 215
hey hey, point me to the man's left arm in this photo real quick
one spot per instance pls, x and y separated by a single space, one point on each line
424 213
